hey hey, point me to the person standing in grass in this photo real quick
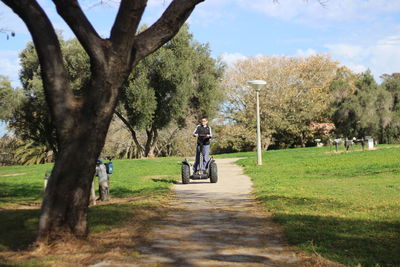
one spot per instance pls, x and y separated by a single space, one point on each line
101 172
203 134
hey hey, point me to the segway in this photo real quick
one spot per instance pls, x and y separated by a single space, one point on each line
210 172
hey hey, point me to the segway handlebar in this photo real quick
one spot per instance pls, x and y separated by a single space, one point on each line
202 135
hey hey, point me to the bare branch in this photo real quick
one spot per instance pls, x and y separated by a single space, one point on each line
73 15
164 28
323 2
110 3
130 128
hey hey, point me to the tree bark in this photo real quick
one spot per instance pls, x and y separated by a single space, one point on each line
64 207
152 139
266 142
82 123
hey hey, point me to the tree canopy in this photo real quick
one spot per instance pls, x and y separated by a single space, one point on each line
30 119
366 111
296 94
9 99
178 81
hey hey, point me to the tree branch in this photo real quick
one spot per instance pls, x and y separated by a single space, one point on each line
133 132
126 23
55 79
73 15
164 28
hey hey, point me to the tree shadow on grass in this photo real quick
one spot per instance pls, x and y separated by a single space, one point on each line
160 188
19 191
302 201
18 228
105 217
124 192
168 181
349 241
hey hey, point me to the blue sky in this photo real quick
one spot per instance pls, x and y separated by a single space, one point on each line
360 34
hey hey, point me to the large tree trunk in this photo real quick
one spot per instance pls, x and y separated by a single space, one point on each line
64 208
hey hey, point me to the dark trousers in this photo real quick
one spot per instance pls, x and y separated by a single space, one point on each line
206 157
104 193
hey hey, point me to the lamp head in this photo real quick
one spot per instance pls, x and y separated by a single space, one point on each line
257 84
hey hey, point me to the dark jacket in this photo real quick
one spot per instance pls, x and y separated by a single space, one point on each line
202 132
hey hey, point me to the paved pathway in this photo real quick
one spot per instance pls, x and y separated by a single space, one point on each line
217 225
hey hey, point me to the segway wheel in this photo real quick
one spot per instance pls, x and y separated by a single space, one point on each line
213 172
185 174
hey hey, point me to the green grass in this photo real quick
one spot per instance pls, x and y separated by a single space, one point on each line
21 184
147 180
344 206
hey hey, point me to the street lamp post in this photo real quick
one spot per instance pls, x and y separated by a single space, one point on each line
257 85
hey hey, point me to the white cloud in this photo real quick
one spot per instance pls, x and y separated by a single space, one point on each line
385 56
393 40
357 68
381 57
9 66
8 53
305 53
333 10
346 50
232 58
211 12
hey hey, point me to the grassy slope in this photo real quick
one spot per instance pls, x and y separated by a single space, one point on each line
20 196
344 206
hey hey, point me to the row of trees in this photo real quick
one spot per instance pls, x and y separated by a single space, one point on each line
363 108
302 92
171 89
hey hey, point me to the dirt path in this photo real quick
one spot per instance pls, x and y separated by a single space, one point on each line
217 225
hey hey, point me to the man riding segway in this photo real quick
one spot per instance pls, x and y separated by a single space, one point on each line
203 134
204 166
